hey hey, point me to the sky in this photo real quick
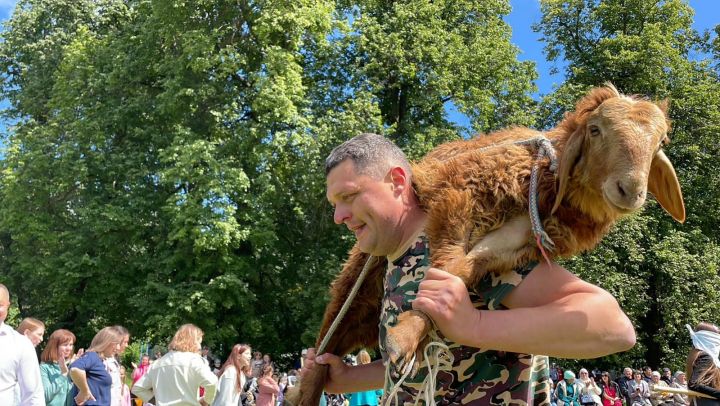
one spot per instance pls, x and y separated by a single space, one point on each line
524 14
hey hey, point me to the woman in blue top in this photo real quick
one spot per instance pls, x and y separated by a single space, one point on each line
91 379
370 397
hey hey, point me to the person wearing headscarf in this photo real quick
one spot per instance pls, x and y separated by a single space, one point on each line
590 392
568 390
703 363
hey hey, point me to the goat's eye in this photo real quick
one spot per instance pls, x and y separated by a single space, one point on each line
594 130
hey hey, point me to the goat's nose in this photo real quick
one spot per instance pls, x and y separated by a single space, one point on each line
631 189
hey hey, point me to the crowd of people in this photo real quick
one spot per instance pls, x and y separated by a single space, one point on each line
633 387
188 374
645 387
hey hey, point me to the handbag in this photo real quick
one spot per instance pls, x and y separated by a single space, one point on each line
587 399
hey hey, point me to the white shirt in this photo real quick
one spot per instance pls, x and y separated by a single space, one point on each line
113 369
174 380
227 394
19 365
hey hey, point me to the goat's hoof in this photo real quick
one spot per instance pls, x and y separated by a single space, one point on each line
401 352
403 341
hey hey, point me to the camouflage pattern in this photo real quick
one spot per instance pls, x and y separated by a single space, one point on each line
478 377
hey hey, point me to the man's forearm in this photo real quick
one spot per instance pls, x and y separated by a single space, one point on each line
359 378
583 325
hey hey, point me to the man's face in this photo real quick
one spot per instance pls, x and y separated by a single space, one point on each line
628 372
370 208
4 304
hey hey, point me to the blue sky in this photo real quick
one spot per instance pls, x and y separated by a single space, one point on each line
524 14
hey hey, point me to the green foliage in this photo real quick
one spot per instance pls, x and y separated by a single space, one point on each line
167 162
130 356
663 274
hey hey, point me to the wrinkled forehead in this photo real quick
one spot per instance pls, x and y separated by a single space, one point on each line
627 115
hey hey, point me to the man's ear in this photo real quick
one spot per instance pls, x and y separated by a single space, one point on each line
399 178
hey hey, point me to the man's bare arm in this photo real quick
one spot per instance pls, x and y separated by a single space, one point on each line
552 312
343 378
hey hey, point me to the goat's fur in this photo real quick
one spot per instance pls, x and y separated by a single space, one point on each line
476 199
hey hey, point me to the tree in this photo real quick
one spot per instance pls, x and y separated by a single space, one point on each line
651 265
166 166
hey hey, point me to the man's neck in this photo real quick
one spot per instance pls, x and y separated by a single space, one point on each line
415 226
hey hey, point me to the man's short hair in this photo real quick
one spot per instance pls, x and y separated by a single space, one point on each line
371 154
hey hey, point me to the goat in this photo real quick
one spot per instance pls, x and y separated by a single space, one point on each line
475 193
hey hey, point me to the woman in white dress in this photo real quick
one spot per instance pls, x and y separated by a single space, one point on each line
233 375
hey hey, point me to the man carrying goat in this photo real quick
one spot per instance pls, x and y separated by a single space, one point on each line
487 337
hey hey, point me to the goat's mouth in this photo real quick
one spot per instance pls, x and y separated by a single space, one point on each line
621 210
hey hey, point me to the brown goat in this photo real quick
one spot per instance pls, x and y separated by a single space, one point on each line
476 198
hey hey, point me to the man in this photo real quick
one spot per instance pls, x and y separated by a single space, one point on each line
369 183
623 383
647 374
18 362
667 376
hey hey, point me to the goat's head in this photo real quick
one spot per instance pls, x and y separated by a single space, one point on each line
613 156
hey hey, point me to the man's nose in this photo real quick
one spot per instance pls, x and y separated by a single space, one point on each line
341 214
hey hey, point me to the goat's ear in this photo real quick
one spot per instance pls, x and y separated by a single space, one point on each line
569 156
664 185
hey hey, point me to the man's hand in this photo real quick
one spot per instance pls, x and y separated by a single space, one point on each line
337 368
446 300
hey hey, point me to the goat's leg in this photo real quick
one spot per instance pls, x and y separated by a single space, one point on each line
357 329
408 337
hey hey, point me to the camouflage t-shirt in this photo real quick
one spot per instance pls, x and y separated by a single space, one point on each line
478 377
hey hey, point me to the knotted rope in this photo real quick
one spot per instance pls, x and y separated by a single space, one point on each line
544 149
439 359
